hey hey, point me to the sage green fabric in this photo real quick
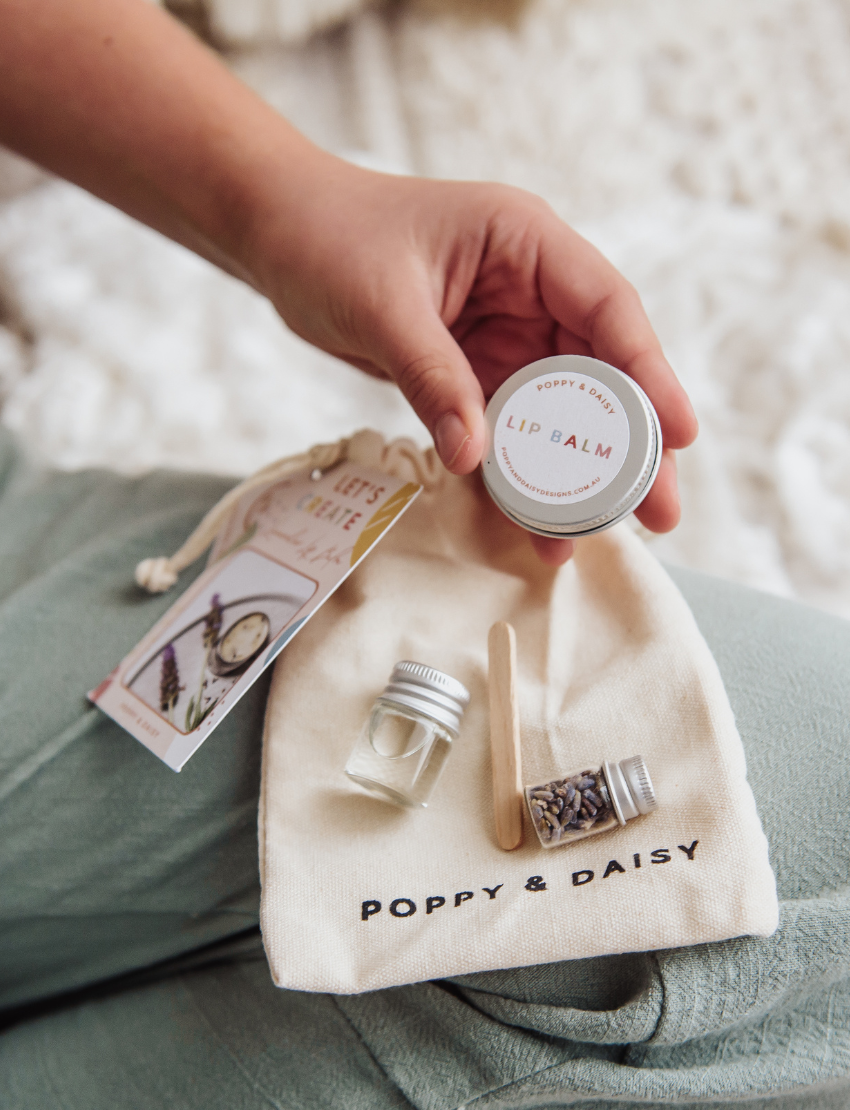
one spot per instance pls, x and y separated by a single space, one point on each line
131 972
108 859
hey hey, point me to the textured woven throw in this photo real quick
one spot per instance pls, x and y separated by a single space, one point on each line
359 895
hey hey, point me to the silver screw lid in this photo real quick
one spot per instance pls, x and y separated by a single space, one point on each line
575 446
428 691
629 787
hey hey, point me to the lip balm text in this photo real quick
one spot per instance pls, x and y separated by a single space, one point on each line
557 437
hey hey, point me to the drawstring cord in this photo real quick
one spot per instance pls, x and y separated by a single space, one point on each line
159 574
402 456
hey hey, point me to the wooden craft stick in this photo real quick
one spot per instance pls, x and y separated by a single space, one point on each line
504 736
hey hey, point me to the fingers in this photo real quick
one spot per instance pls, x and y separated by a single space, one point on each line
550 551
617 330
437 379
446 396
591 300
660 510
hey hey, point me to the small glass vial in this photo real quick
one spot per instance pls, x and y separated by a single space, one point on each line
583 804
403 745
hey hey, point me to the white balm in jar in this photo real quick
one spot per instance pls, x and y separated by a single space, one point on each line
575 446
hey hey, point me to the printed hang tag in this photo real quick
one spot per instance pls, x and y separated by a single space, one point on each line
282 553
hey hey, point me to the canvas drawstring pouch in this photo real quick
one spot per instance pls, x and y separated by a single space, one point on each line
610 664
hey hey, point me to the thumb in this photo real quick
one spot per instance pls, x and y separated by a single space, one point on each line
436 378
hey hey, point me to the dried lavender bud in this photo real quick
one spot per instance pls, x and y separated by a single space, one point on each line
572 807
212 622
169 680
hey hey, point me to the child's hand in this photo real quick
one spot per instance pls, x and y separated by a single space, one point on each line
448 288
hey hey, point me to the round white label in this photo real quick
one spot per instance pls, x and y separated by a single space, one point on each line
561 438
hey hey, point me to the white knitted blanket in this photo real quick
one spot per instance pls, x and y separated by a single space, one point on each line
703 144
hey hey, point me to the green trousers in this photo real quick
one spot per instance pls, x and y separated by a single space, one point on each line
131 969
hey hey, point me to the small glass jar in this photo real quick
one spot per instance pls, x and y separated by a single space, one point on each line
401 750
586 803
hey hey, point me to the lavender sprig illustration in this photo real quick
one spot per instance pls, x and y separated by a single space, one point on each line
169 682
212 623
197 711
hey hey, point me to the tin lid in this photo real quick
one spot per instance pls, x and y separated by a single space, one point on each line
428 691
629 787
575 446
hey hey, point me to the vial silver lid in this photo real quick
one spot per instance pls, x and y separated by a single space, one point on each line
429 691
630 787
640 784
576 402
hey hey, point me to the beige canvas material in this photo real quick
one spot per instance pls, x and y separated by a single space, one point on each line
611 664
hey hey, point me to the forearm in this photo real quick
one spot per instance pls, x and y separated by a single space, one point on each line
116 96
444 287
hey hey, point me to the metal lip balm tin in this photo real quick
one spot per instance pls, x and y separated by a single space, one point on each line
575 446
